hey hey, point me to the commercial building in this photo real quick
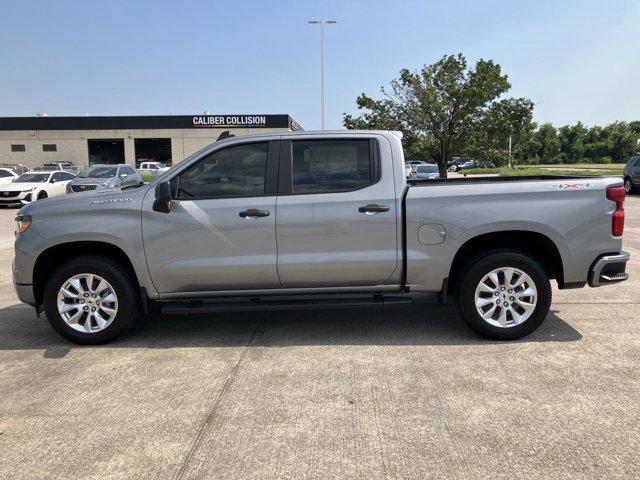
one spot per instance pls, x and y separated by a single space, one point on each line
32 141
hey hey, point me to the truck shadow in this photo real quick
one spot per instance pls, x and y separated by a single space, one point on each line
20 329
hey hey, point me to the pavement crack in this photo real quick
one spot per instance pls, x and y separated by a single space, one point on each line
208 420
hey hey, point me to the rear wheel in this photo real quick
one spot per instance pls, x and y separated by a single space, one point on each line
91 300
504 295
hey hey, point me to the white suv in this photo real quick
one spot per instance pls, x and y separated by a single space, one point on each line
154 168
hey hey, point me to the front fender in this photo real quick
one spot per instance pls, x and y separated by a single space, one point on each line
111 217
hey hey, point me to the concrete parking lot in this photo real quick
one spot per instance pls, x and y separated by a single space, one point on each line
408 392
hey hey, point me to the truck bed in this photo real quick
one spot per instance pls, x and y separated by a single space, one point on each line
484 179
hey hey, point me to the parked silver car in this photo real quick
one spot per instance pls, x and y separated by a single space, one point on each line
105 176
425 172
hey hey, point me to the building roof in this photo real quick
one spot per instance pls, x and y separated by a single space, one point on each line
140 122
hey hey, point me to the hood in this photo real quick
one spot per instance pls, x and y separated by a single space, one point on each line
91 180
85 201
6 181
21 186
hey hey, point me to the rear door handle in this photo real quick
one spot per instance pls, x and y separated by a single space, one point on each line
372 208
254 213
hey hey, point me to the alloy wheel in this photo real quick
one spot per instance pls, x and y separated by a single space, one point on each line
87 303
506 297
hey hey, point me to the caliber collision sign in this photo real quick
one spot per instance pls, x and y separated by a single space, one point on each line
217 121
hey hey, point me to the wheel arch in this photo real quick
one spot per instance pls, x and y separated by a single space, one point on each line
533 244
51 258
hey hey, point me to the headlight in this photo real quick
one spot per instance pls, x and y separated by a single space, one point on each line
29 190
23 222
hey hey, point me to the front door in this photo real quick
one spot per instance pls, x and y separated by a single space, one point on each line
337 226
220 232
127 176
59 183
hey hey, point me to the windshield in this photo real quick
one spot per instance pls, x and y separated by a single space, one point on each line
32 177
99 172
427 169
5 173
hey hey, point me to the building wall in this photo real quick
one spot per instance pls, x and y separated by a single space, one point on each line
72 144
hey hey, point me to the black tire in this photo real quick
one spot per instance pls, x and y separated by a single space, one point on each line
113 272
628 185
42 195
483 265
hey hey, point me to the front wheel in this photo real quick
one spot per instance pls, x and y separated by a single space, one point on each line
504 295
91 300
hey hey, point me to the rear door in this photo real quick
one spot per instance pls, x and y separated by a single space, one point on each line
336 213
220 232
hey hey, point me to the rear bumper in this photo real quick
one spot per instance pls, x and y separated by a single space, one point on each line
609 268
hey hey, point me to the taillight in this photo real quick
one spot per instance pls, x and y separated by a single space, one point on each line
617 194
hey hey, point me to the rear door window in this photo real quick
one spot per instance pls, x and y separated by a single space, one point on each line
328 166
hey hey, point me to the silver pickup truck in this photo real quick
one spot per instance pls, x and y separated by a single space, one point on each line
315 219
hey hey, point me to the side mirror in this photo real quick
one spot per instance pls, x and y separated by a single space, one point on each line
162 203
53 180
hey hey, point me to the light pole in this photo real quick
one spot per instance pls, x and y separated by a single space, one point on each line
322 22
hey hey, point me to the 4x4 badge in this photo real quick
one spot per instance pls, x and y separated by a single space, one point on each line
571 186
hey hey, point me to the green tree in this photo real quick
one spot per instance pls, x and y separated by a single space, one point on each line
440 105
635 127
571 138
547 137
489 139
623 141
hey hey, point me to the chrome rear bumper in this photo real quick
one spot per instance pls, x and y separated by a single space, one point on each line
609 268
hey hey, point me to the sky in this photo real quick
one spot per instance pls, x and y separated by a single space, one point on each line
578 60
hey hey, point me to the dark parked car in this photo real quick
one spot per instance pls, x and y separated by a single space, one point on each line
483 164
475 164
453 165
631 174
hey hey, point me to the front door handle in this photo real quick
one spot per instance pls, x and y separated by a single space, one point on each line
372 208
254 213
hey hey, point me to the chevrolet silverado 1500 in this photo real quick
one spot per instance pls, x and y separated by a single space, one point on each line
309 220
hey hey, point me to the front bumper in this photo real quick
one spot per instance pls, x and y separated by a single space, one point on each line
25 293
21 199
609 268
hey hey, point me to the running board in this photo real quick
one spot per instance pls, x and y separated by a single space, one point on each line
211 306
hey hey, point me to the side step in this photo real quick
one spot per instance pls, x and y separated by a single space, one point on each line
258 304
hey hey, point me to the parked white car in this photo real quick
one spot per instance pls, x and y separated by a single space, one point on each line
154 168
32 186
7 176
